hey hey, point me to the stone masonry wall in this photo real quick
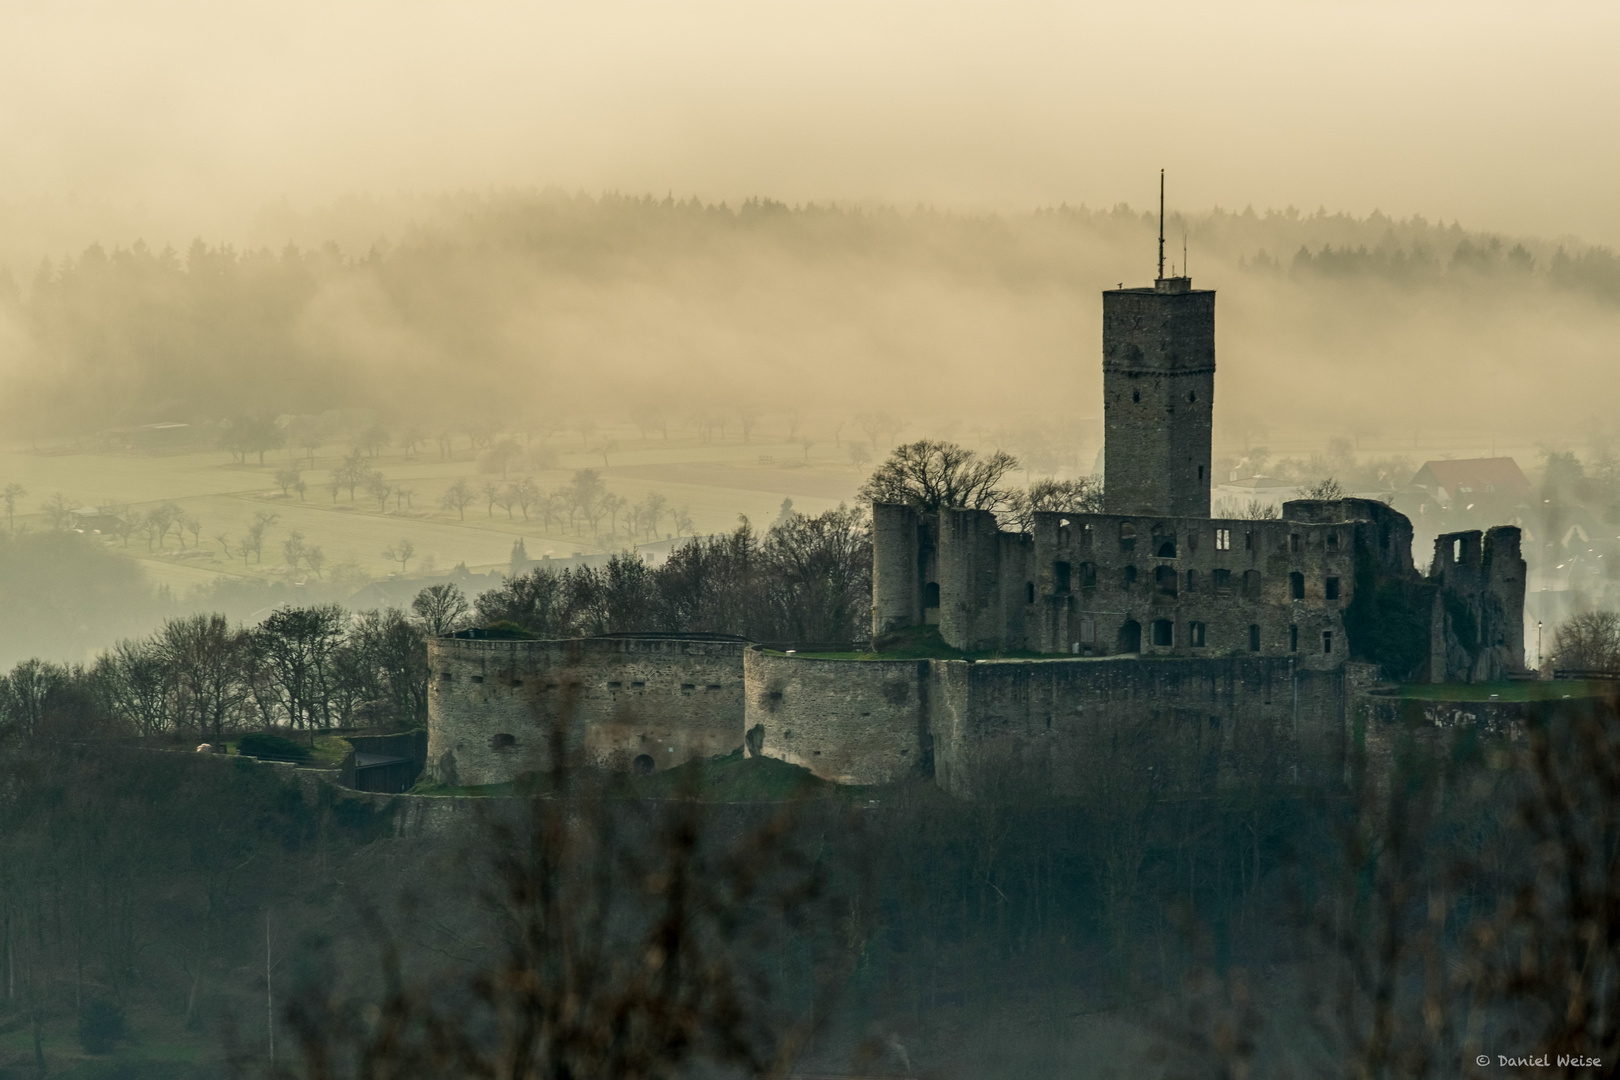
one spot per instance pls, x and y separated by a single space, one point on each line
643 701
848 721
1128 728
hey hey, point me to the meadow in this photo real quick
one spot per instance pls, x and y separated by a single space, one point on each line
710 483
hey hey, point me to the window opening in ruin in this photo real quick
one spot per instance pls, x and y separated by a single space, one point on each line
1088 576
1294 542
1251 584
1254 637
1136 395
1327 641
643 765
615 685
688 686
1130 576
1331 588
1167 548
1130 637
1248 540
1085 535
1060 577
445 676
517 682
712 686
1195 635
1333 541
1192 542
1223 581
477 678
931 594
1088 631
1029 592
1293 639
1223 539
1164 632
1296 585
1456 550
1192 581
638 684
1200 472
1127 536
502 741
1164 581
1191 397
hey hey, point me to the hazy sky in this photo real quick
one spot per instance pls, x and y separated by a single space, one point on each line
188 116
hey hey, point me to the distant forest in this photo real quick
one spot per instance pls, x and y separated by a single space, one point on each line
600 305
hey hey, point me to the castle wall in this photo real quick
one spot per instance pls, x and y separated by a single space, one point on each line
1478 620
647 701
848 721
1133 728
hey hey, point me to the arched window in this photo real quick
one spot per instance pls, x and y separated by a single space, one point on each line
1164 581
931 594
644 764
1167 548
1130 637
1127 536
1296 585
1164 632
502 741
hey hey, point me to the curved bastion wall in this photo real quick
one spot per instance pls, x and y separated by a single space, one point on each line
641 702
849 721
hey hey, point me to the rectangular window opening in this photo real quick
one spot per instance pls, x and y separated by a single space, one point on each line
1331 588
1327 641
1293 639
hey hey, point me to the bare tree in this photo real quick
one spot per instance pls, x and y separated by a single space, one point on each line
491 491
9 495
379 489
402 552
441 609
286 478
930 475
1589 641
60 511
457 497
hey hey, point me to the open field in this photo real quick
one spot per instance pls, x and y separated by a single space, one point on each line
711 482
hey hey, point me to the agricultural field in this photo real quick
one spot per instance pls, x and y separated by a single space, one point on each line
704 486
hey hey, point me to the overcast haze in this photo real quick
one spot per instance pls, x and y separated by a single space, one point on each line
176 118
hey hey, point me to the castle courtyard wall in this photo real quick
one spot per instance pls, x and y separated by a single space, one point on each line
848 721
496 709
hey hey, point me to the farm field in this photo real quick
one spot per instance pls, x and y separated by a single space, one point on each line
710 483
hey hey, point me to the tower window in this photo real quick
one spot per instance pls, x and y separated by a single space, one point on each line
1164 632
1254 637
1330 588
1088 576
1200 472
1191 397
1296 585
1029 592
931 594
1136 395
1248 540
1167 548
1327 641
1085 535
1195 635
1130 576
1127 536
1251 584
1223 539
1222 580
1333 541
1294 544
1293 639
1060 577
1164 581
1192 581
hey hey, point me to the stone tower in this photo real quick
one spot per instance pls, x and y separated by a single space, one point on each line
1158 398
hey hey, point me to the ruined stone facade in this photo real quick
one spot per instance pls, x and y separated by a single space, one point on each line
1181 653
497 708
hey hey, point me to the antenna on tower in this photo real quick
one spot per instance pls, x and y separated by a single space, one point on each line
1184 271
1161 224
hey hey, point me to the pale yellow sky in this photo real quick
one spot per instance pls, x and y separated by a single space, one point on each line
184 117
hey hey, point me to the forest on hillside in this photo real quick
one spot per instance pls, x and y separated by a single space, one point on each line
542 306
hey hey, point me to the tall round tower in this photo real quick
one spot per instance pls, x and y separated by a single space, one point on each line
1158 398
